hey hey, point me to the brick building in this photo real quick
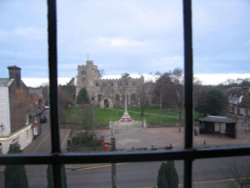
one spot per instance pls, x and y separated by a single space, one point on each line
15 119
239 105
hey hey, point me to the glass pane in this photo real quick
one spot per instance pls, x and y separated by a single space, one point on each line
31 175
2 176
24 73
221 72
221 172
144 174
123 74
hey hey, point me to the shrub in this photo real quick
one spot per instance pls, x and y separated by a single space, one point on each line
167 175
86 140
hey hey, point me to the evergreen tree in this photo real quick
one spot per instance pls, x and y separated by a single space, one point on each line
82 97
15 175
51 180
167 175
211 102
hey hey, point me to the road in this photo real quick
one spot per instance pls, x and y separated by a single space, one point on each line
206 173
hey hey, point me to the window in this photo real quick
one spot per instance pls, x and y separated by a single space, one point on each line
27 135
36 119
188 154
117 97
27 119
133 97
15 141
99 98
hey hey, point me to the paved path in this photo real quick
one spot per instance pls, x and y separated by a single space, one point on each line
163 137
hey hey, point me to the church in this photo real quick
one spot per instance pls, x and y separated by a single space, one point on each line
107 93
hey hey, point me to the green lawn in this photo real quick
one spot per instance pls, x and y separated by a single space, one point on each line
152 115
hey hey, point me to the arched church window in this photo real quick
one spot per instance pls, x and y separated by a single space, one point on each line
117 97
133 97
99 97
106 103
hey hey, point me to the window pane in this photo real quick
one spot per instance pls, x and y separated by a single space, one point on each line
24 72
221 71
127 174
2 176
123 74
221 172
31 175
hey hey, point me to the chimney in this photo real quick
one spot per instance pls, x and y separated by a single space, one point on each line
15 73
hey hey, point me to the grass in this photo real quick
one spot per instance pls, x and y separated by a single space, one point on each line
152 115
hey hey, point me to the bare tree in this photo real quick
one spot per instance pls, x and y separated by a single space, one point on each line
169 89
125 75
238 173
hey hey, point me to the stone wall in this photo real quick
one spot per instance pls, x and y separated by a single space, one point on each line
107 92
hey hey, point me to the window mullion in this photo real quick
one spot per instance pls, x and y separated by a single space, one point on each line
52 38
188 72
54 118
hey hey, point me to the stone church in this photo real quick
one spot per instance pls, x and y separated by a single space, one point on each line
107 93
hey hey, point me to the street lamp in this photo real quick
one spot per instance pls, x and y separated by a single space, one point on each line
113 169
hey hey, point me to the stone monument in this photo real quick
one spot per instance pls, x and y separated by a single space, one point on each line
125 122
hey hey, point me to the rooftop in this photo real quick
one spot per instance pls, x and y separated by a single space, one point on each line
218 119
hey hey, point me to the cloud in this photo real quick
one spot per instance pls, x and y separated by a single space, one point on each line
214 79
165 64
36 82
29 32
127 36
3 35
120 42
206 79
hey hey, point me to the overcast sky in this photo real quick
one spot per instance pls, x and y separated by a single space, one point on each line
134 36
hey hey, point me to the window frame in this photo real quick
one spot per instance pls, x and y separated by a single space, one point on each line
188 154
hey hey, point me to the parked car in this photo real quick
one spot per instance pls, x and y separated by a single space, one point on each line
43 119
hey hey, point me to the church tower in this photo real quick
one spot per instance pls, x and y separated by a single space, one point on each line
87 76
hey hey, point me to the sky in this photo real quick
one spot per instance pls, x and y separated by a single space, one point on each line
126 36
